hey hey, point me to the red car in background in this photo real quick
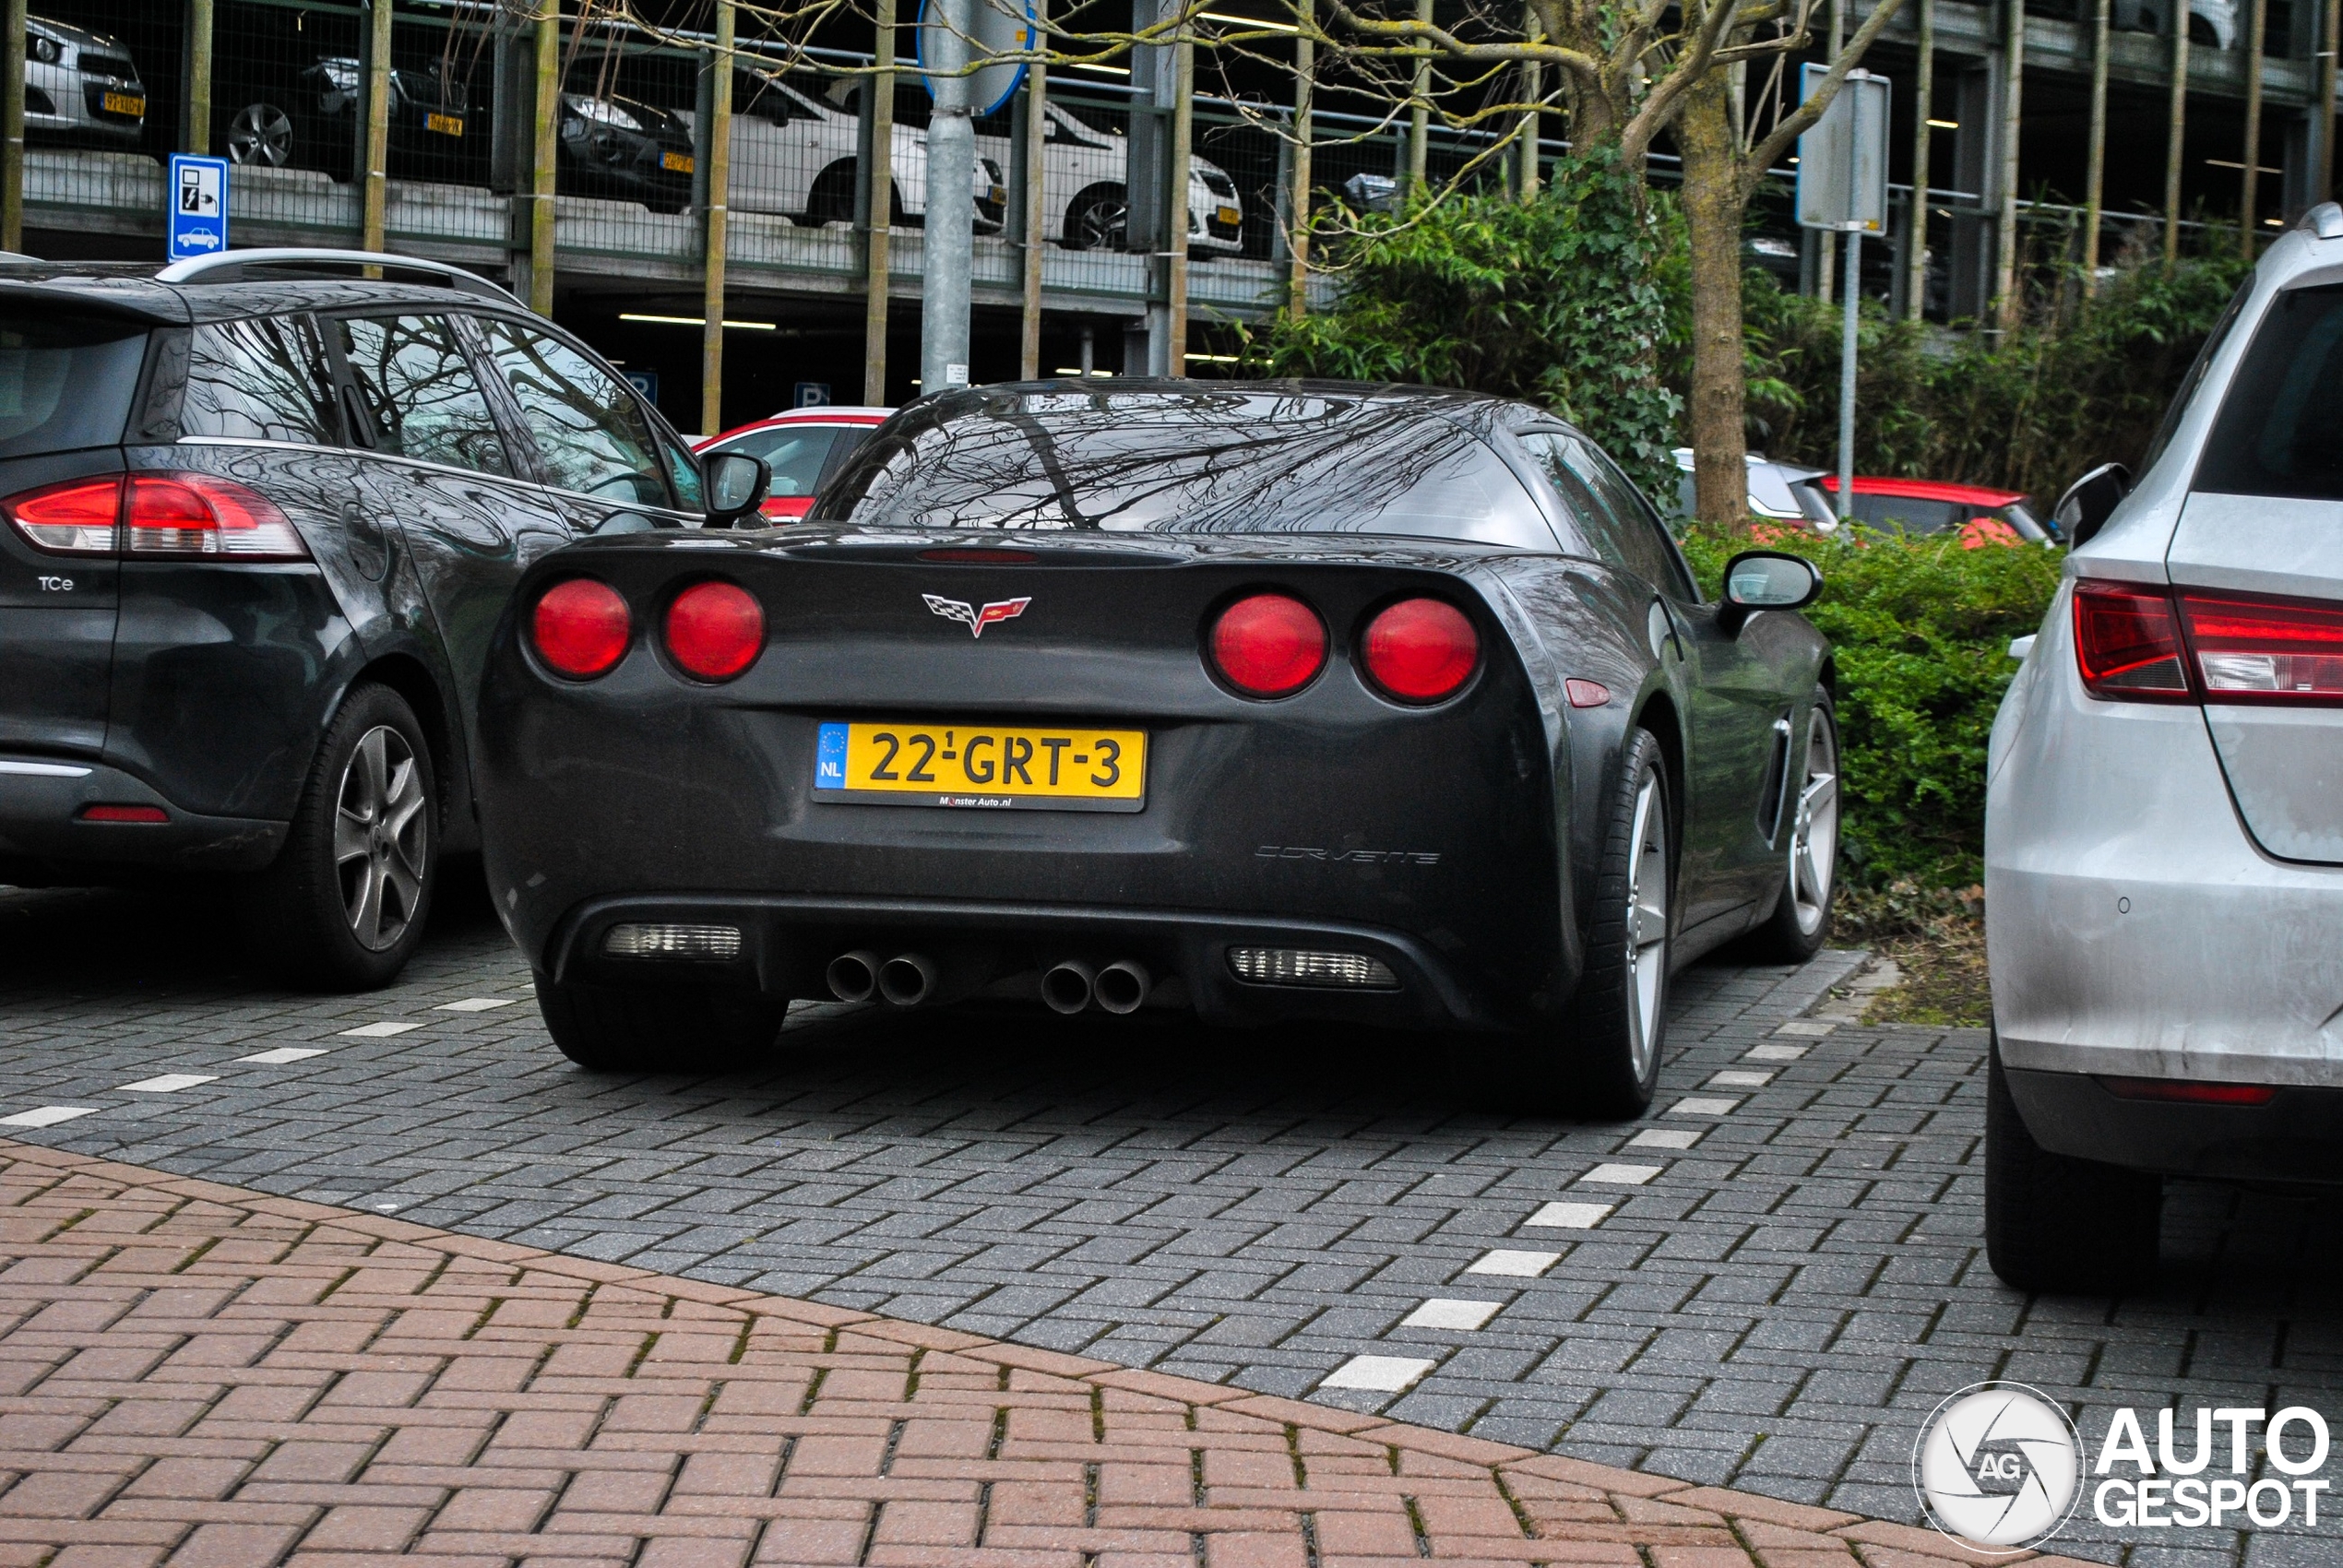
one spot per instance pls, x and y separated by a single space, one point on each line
802 447
1981 516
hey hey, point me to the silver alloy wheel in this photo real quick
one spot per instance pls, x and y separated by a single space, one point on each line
380 843
1098 223
260 132
1647 926
1814 832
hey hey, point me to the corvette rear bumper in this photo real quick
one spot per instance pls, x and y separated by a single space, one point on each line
1001 948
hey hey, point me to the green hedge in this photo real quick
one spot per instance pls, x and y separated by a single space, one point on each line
1921 629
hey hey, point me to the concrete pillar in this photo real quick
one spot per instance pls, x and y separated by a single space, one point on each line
1296 184
1975 97
1033 201
194 120
1915 244
716 174
545 109
12 126
876 201
375 157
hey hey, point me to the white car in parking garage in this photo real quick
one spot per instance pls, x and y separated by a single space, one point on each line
1085 171
2164 810
796 154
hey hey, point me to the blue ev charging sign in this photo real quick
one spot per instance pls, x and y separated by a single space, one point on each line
197 195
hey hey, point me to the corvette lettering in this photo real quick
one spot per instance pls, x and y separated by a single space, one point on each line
1348 857
975 617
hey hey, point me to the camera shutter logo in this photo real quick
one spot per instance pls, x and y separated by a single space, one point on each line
1998 1465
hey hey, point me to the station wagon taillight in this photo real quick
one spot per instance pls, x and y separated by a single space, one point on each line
715 630
74 519
1269 644
1421 649
166 515
206 516
2140 644
581 627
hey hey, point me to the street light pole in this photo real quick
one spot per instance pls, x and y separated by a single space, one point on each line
951 207
1854 293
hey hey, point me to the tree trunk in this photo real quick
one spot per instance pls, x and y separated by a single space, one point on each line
1713 200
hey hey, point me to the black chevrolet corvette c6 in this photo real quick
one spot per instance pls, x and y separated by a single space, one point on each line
1263 700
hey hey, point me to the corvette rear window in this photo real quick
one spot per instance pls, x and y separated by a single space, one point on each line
2281 429
1241 462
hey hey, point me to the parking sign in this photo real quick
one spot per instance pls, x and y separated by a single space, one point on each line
198 193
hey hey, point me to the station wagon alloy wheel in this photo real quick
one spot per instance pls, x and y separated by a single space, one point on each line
380 850
1814 833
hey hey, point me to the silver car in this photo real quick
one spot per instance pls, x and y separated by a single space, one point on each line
2164 810
81 86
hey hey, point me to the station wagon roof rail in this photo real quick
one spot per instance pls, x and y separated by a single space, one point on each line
234 267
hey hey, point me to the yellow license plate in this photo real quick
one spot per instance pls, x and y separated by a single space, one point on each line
124 103
446 124
681 162
983 766
1230 215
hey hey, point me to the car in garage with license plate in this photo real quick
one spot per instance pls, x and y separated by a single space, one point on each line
2164 810
258 516
1259 701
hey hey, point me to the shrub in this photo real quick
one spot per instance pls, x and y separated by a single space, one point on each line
2080 381
1920 630
1563 300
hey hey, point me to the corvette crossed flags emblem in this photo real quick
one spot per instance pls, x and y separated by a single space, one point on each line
973 617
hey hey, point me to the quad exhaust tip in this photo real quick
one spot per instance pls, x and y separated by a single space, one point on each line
853 976
1066 986
1121 986
907 980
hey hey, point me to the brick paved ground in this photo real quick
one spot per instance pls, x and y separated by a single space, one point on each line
193 1372
1775 1306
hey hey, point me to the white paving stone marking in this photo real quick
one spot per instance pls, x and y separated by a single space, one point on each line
169 1083
1810 1027
474 1004
1514 1264
1665 1138
1440 1313
1773 1053
1615 1175
47 1116
283 1054
1380 1374
383 1030
1570 1216
1703 1107
1738 1080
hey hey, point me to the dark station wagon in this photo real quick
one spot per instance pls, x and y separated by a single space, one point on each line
259 514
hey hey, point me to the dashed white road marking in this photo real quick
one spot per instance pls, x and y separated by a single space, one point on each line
474 1004
1812 1028
1569 1216
1380 1374
283 1054
1666 1138
383 1029
1440 1313
1738 1080
1703 1107
1615 1175
168 1083
47 1115
1773 1053
1512 1264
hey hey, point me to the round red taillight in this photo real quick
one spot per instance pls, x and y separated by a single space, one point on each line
581 627
1269 644
1421 649
715 630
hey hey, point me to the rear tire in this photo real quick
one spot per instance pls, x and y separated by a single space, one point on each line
617 1029
2058 1225
1608 1065
344 906
1799 924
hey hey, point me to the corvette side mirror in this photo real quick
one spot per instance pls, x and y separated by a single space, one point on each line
1765 579
735 483
2090 501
